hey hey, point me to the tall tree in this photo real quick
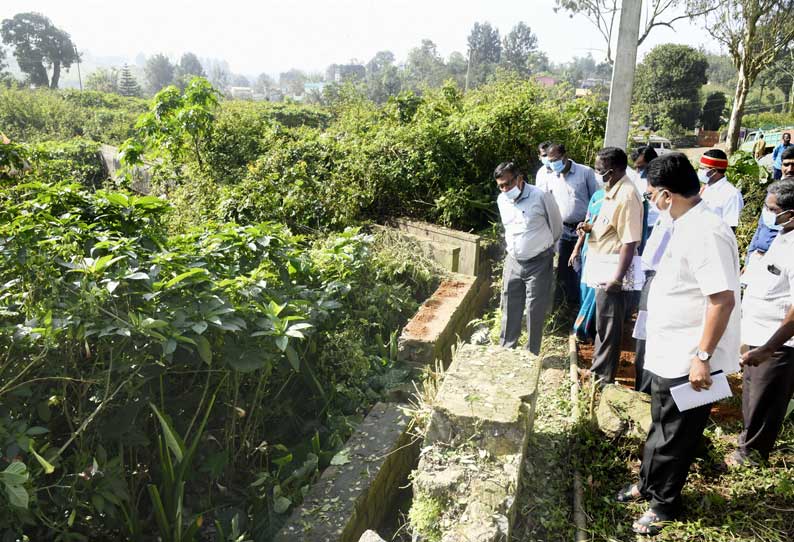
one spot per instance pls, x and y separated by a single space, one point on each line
128 85
780 75
292 81
711 116
159 72
518 49
603 14
721 70
38 44
189 64
103 80
264 83
668 82
380 77
756 33
425 67
485 51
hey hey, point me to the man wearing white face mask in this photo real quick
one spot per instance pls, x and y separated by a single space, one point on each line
719 194
532 226
767 328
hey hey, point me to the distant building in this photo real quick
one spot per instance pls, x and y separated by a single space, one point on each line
316 86
545 80
338 73
242 93
583 92
592 82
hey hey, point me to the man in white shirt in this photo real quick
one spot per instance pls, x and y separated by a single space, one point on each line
693 329
532 226
767 328
572 186
723 198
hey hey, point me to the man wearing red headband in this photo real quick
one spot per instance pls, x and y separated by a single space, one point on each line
719 194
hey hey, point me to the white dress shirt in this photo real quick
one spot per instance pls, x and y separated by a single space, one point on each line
532 222
657 242
725 200
642 187
770 292
701 259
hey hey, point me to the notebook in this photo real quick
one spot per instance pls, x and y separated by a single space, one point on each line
686 397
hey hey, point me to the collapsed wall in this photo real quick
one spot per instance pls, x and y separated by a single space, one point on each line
470 467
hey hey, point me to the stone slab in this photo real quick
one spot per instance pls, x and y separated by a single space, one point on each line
484 397
359 494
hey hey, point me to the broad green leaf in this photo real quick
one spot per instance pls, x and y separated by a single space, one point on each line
292 357
341 457
138 275
281 505
199 327
179 278
204 349
17 496
282 342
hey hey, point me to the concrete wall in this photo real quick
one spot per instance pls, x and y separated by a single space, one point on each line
468 261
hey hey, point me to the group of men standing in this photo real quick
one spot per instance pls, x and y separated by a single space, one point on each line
667 231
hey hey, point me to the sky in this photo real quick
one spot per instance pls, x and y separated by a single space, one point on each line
256 36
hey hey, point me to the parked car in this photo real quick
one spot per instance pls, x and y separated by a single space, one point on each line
660 144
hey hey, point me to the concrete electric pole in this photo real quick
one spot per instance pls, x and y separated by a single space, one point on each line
620 93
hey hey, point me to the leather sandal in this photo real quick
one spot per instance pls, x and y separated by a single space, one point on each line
650 524
630 493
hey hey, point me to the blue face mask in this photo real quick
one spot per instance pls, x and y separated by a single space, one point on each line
545 161
770 219
557 166
513 193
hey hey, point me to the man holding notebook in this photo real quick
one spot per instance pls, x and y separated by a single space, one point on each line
692 332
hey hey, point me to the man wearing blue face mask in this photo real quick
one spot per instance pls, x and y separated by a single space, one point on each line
767 330
532 226
572 186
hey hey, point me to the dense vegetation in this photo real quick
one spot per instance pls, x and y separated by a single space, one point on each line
182 364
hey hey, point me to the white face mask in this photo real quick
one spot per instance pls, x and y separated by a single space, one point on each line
770 219
703 176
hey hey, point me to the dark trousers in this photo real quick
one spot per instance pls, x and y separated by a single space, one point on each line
526 290
568 280
642 378
673 440
777 173
766 392
610 319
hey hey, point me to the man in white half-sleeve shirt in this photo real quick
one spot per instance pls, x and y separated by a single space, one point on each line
723 198
532 226
767 328
692 330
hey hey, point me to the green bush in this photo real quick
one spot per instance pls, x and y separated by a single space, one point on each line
77 160
767 121
103 312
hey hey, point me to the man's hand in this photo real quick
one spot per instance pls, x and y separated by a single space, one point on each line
584 228
756 356
613 286
573 258
699 374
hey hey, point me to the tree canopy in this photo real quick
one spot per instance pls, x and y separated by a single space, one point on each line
38 45
159 72
518 48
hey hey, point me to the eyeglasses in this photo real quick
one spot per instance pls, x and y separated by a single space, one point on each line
647 196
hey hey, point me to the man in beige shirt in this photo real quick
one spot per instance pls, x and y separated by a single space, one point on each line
614 238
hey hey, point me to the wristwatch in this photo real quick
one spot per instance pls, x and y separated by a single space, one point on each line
703 356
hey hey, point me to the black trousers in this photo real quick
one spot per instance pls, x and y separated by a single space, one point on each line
642 378
610 320
567 280
766 392
673 440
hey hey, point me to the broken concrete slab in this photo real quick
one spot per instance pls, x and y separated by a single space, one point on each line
624 412
370 536
470 469
484 399
359 491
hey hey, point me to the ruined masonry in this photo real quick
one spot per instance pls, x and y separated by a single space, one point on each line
470 468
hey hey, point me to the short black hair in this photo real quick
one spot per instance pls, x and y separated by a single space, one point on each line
559 147
674 172
717 153
784 190
614 157
787 154
646 152
507 167
544 146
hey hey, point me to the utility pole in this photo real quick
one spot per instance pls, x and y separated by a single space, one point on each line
79 77
620 93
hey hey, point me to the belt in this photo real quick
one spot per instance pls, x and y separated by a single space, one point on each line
535 257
